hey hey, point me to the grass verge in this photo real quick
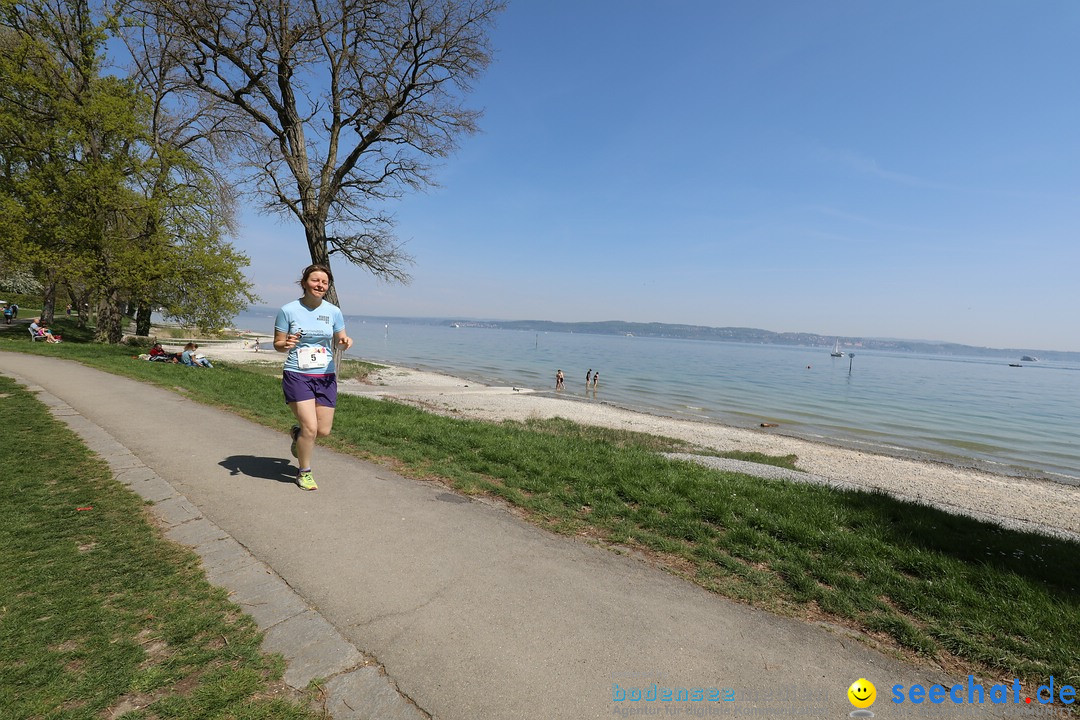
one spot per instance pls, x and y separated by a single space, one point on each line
98 614
969 594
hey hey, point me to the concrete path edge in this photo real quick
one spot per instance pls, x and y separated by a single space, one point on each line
355 685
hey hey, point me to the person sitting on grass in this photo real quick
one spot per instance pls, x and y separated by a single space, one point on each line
158 354
193 359
43 331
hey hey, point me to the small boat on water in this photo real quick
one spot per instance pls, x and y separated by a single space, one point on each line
836 351
1030 358
1015 365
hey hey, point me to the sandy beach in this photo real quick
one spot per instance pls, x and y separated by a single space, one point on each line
1021 503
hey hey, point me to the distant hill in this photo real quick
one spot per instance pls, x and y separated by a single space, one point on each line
733 334
765 337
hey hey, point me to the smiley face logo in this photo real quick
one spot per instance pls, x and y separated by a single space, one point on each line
862 693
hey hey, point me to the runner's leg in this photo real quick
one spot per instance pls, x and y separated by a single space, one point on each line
307 418
325 417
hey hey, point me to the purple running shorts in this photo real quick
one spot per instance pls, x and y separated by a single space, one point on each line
298 387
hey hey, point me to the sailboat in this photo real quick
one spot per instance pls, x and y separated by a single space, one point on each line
836 351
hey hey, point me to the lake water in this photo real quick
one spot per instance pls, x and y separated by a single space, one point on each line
970 411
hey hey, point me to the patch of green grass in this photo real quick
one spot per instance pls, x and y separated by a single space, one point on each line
930 581
97 611
354 369
270 367
782 461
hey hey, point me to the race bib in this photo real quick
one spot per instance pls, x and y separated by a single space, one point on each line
311 358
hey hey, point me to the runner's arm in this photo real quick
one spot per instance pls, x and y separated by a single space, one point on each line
344 341
283 341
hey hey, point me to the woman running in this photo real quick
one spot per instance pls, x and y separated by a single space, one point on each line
306 329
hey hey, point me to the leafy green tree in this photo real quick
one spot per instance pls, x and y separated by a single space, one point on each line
107 205
70 133
31 152
191 273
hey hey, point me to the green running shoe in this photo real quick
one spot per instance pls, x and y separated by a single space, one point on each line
295 432
306 481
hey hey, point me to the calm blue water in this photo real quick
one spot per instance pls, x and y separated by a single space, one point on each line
975 411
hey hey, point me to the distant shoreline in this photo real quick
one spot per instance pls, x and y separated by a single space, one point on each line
738 334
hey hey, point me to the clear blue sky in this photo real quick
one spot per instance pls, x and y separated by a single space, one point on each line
885 169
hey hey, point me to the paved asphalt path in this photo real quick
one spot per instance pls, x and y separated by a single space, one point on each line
417 602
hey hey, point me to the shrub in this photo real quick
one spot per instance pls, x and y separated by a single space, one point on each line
141 341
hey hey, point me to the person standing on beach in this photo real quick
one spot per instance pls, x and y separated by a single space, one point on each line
587 376
559 377
595 379
306 329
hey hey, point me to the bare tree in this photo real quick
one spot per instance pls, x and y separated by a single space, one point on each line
346 103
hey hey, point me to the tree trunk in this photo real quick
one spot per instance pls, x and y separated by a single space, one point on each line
110 321
48 303
82 305
142 319
73 303
320 254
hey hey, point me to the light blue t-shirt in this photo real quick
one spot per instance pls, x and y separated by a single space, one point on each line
319 326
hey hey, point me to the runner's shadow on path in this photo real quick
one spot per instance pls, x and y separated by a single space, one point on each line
267 468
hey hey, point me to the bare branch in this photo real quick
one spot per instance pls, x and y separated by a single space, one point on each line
333 106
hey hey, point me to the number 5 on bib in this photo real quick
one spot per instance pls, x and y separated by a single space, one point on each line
311 358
